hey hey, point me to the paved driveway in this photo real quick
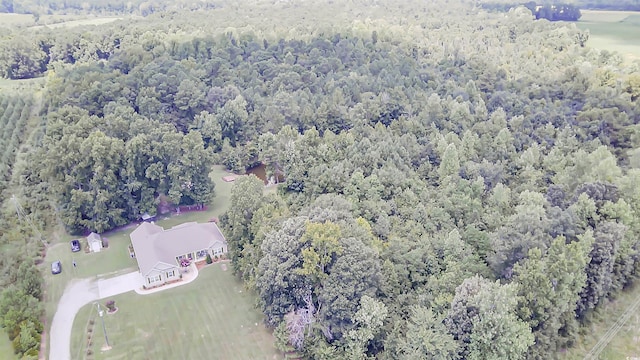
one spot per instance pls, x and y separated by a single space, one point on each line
78 294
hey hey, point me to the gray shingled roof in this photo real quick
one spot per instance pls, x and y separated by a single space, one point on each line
153 244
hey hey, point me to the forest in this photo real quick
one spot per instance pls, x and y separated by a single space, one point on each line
458 183
111 7
549 11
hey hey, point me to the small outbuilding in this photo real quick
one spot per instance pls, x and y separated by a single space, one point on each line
147 218
94 242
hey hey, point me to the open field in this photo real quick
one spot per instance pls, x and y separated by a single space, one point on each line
5 347
604 15
82 22
13 85
210 318
625 345
52 21
614 31
16 20
115 259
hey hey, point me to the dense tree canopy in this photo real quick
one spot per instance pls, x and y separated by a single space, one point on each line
454 184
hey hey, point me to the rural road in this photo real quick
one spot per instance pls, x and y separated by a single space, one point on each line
78 294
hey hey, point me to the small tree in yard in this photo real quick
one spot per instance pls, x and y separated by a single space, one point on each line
209 260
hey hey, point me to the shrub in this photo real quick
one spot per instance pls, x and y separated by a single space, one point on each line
209 261
215 258
111 305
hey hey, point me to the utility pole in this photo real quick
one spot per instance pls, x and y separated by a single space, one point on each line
104 329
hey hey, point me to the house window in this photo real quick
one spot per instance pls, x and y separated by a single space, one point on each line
201 254
190 256
170 273
218 251
153 279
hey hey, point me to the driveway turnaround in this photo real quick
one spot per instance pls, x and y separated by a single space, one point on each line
78 294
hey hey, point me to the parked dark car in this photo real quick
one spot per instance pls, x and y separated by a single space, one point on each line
56 267
75 245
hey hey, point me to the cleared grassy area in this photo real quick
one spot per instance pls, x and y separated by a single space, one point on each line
614 31
211 318
604 15
16 20
82 22
6 350
625 345
115 259
13 85
52 21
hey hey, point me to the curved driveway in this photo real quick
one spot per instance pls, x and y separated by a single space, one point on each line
78 294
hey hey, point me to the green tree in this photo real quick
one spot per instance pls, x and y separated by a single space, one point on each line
549 290
354 274
324 246
280 287
246 198
527 228
233 118
483 320
368 320
210 130
600 269
427 337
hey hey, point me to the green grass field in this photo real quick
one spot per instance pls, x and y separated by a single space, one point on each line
6 350
211 318
614 31
16 20
52 21
97 21
625 345
115 259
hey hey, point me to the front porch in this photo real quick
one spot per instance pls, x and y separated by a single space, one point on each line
187 276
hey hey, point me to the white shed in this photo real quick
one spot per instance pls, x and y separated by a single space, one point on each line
95 242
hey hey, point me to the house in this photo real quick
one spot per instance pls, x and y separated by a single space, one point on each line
159 251
94 242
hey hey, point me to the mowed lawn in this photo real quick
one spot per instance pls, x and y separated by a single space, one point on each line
212 317
6 350
115 259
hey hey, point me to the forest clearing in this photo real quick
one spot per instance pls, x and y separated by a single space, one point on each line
210 318
114 260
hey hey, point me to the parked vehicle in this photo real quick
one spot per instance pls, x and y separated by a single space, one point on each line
75 245
56 267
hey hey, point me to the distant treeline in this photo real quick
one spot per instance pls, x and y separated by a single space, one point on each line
139 7
551 12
